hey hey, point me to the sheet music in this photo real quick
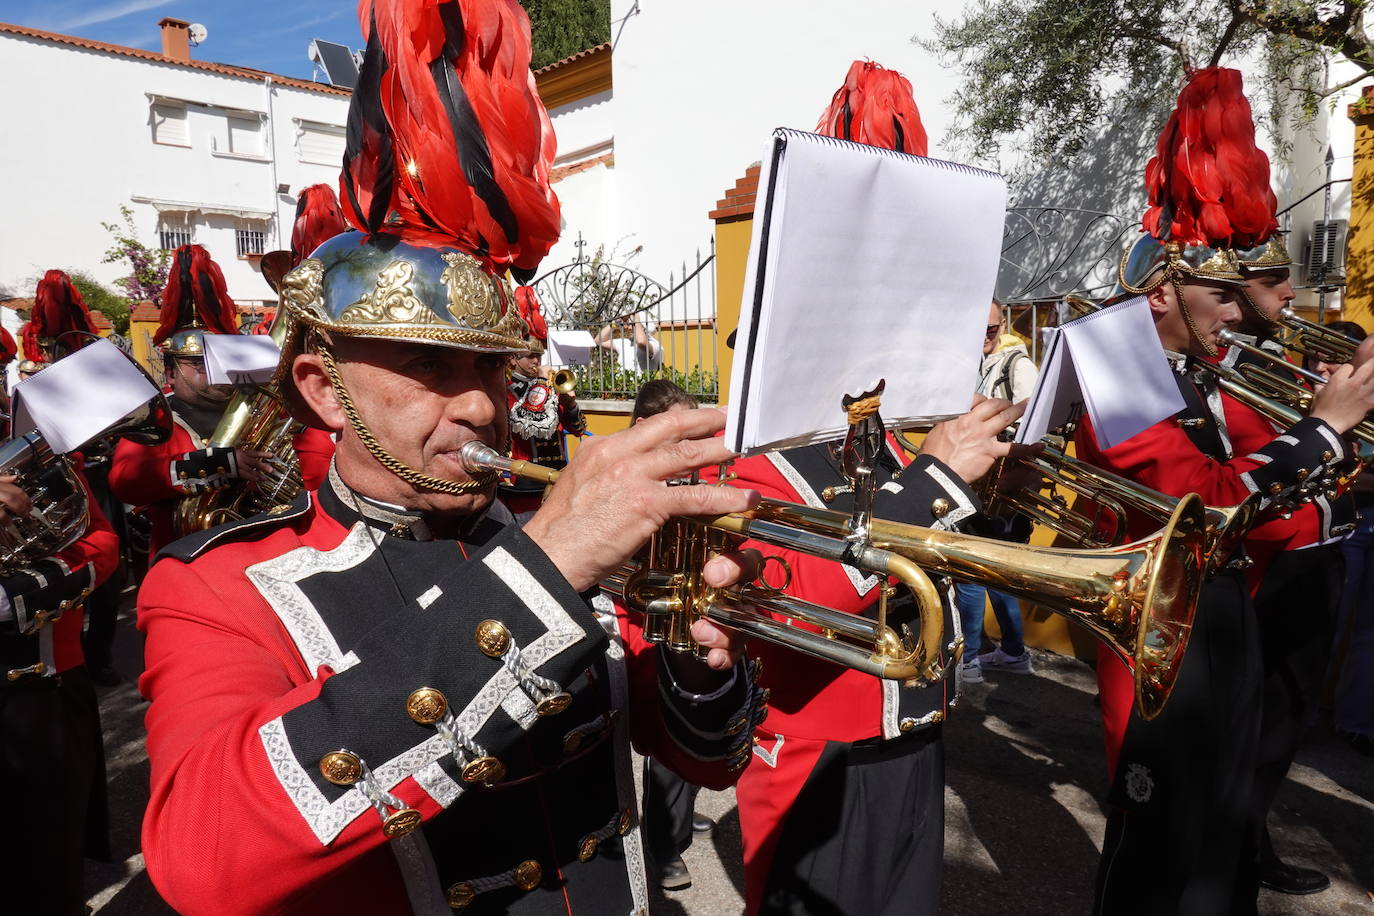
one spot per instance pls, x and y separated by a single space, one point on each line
569 348
80 396
240 359
1111 364
865 264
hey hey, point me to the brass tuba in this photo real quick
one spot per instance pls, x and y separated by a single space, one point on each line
1139 598
256 419
60 511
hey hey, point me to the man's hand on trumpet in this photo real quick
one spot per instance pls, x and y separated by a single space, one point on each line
970 445
613 495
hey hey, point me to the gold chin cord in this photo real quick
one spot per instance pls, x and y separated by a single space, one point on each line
481 480
1138 598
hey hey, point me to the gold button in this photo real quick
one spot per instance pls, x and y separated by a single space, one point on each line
401 823
278 510
426 706
553 705
587 848
939 508
460 895
907 724
343 768
625 823
571 742
528 874
485 770
1327 456
1302 474
493 638
1275 489
735 726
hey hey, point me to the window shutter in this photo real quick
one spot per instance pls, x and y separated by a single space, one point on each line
169 125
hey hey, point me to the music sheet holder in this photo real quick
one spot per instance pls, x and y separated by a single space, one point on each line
80 396
865 264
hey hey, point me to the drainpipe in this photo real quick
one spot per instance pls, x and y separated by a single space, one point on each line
272 151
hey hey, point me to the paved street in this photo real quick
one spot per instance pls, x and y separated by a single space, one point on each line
1023 823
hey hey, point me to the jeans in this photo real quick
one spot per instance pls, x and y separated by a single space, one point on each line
971 601
1355 691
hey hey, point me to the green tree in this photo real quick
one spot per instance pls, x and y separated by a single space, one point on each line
561 28
1048 74
109 303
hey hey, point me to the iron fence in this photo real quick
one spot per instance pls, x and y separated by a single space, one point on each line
640 328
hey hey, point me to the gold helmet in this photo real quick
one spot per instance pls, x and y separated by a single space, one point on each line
442 209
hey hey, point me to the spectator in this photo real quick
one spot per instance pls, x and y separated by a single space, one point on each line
633 344
1007 372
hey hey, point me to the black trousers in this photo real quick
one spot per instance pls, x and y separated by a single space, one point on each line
668 804
102 607
1178 822
52 776
867 832
1296 606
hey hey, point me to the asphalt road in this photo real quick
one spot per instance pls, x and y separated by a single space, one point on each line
1023 821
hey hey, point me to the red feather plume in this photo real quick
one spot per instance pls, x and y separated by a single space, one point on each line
318 218
28 335
875 106
1208 182
528 304
8 348
60 313
448 142
195 295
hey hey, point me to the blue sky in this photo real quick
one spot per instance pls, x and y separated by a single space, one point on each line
270 35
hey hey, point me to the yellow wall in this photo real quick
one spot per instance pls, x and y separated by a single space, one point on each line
1358 302
732 252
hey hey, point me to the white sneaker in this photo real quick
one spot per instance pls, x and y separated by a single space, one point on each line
971 672
1001 661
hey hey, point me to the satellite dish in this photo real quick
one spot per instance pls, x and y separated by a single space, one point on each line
198 33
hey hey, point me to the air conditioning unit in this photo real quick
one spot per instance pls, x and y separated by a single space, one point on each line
1326 251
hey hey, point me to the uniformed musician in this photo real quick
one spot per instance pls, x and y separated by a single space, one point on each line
390 699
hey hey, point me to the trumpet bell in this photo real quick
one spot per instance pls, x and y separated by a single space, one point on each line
564 382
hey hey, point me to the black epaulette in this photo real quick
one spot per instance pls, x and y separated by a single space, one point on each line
252 528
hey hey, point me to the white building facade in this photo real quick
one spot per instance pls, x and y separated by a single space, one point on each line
199 152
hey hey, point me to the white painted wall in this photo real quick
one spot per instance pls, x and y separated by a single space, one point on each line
84 147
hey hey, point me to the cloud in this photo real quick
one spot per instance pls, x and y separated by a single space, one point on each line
108 12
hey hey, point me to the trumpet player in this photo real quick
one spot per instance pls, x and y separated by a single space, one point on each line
541 415
412 704
1179 832
156 477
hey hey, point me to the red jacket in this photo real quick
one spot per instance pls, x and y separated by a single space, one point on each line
275 642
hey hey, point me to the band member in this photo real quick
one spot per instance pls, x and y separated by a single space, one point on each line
427 710
53 765
157 477
9 350
843 808
1182 782
1296 583
540 414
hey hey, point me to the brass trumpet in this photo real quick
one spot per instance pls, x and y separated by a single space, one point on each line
1316 340
1114 502
564 381
1139 598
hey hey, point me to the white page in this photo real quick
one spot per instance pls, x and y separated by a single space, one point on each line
240 359
569 348
876 265
1122 371
1056 396
80 396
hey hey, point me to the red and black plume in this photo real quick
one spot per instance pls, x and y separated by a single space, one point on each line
448 143
528 305
875 106
195 296
318 218
59 314
1208 182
